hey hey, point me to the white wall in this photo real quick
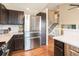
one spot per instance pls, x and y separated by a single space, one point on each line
50 17
71 32
69 16
66 16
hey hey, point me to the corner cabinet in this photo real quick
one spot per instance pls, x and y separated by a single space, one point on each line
16 42
15 17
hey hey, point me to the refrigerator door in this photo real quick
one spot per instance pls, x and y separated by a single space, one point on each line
27 44
35 23
27 32
32 30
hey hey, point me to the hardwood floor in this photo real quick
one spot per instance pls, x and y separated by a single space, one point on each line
51 44
41 51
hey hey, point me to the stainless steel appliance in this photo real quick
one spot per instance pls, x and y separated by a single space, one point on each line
4 51
32 30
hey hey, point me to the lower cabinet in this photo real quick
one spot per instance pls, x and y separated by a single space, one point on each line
18 40
73 53
58 48
11 44
71 50
16 43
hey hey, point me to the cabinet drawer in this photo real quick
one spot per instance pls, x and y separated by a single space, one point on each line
73 53
34 34
73 48
18 36
58 51
59 44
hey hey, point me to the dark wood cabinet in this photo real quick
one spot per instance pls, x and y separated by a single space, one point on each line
58 48
20 17
16 43
12 17
15 17
3 14
11 44
19 43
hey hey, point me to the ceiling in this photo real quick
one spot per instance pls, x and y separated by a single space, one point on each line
34 8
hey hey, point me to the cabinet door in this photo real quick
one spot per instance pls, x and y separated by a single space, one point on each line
3 14
66 49
73 53
19 45
58 51
13 17
11 44
71 50
20 17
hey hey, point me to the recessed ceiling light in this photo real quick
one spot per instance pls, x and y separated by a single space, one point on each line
27 8
78 8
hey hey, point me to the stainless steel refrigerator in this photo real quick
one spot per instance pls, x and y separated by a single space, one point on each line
32 31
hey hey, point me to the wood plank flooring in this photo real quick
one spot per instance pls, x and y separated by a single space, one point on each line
41 51
51 44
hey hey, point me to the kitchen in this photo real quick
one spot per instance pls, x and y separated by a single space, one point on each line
11 29
20 31
48 28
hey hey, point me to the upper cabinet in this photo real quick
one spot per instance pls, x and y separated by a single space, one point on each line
3 14
21 17
11 17
15 17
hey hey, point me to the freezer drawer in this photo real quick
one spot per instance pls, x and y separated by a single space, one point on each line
35 43
34 34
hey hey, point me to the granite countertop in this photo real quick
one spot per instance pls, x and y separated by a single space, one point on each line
69 39
8 36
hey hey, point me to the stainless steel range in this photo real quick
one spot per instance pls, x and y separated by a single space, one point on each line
4 51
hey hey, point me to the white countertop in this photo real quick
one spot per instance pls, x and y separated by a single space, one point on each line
69 39
8 36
